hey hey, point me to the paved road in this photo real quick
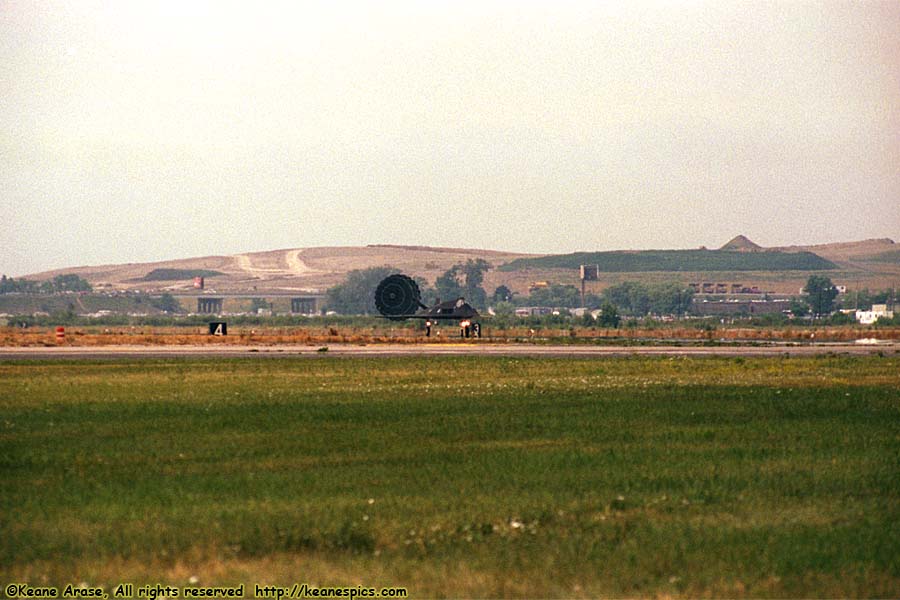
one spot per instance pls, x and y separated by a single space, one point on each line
468 349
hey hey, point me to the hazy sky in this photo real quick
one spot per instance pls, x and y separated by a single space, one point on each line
138 131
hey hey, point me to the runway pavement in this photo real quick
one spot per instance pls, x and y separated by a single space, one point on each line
460 349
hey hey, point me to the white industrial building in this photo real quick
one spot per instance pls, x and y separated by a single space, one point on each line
867 317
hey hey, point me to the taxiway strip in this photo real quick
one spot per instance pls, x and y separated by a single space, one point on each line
463 349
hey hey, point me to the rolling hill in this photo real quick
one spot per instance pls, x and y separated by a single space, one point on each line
869 263
297 269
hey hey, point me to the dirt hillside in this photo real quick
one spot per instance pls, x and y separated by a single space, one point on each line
866 263
306 269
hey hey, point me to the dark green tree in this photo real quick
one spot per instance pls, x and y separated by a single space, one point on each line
70 283
429 294
609 315
592 301
799 309
504 314
556 295
473 291
448 285
60 283
669 299
864 299
464 280
840 318
630 296
502 294
638 299
167 303
356 295
505 309
820 294
8 285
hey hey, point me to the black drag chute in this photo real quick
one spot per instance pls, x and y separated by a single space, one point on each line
397 297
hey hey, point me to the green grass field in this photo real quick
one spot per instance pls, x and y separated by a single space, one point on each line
456 477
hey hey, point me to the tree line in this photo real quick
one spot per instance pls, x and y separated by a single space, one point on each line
356 295
60 283
627 299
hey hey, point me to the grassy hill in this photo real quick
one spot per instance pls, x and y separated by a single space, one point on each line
678 261
178 274
867 263
891 256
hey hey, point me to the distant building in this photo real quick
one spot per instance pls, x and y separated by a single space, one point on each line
722 288
533 311
868 317
740 307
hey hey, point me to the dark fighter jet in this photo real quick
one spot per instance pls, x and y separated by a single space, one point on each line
398 297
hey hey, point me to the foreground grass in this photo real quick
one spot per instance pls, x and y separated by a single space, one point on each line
457 476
